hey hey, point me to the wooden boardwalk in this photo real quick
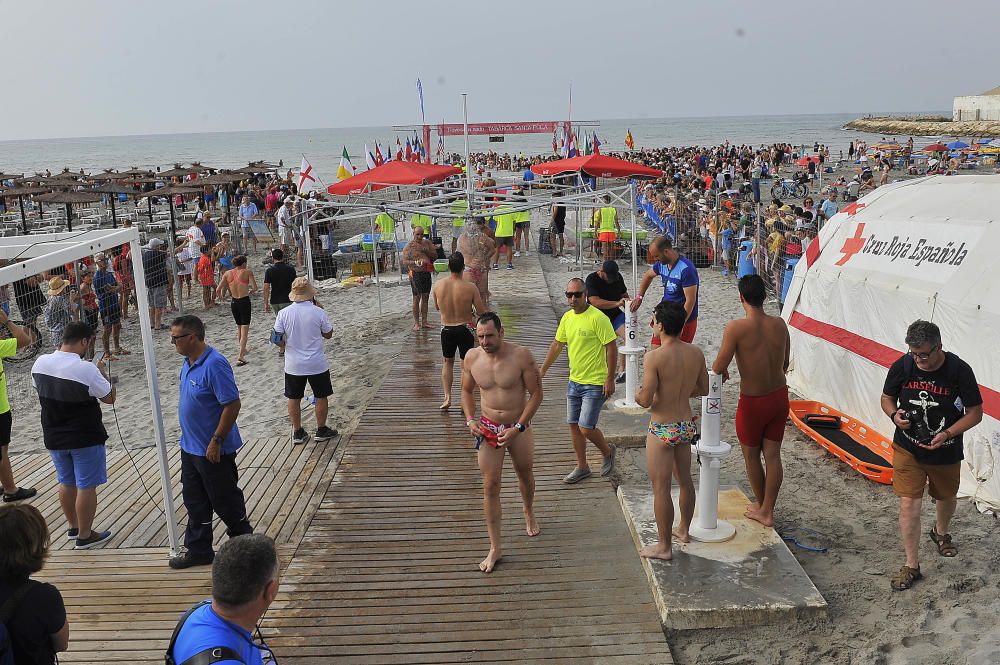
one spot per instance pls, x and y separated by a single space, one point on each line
387 571
380 539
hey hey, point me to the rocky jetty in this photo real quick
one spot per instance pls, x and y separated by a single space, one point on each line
924 126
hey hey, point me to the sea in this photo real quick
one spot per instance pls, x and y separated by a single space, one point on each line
323 147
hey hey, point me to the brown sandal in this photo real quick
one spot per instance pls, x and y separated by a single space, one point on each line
944 545
905 578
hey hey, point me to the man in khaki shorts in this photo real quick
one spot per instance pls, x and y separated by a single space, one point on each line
932 397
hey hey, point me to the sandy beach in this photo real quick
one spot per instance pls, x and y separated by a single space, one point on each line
949 617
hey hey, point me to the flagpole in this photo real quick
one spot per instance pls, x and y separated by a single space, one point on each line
468 162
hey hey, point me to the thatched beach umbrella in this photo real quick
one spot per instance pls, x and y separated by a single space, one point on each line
170 191
10 176
20 192
114 189
107 174
132 173
178 170
69 198
225 178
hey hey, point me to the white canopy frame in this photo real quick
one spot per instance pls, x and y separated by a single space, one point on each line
31 255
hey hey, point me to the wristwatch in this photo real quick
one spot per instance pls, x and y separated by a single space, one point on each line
520 427
218 439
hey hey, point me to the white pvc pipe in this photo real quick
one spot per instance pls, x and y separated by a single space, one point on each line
711 450
305 239
711 413
632 350
375 239
152 383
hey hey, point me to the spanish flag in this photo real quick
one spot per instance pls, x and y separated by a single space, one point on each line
629 143
346 169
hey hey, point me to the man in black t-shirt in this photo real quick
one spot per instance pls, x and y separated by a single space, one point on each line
607 292
278 283
932 397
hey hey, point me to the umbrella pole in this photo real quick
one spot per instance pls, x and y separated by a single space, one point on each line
69 218
378 291
24 218
114 216
173 236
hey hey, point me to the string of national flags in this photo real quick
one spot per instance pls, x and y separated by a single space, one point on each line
563 144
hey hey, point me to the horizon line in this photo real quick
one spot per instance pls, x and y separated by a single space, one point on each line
354 127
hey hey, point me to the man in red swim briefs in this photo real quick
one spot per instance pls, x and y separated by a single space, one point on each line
760 343
510 391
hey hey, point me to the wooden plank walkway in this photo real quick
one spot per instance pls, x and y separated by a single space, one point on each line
387 571
380 539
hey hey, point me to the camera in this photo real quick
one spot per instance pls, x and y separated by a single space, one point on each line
918 431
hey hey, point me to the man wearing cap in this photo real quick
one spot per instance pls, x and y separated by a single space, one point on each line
154 265
607 292
303 326
196 239
59 309
106 287
283 218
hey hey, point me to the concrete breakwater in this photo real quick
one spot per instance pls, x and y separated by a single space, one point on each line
925 127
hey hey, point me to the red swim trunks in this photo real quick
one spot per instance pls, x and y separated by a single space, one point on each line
762 417
490 432
687 333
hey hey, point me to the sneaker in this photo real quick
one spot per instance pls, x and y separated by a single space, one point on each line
517 254
187 560
324 433
299 437
72 534
20 494
576 475
620 378
96 538
609 461
496 266
510 266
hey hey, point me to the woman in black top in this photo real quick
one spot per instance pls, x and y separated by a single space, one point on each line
33 612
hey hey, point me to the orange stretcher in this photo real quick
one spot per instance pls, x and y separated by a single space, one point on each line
855 443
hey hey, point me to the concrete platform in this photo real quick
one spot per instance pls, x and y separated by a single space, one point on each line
752 579
626 428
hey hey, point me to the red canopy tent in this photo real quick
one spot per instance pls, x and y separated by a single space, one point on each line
395 172
804 161
599 166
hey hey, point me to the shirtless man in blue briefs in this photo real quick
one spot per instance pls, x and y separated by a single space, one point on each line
673 373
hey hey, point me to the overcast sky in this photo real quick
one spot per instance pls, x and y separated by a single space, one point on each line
94 68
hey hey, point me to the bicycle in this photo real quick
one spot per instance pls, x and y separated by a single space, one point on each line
34 344
788 188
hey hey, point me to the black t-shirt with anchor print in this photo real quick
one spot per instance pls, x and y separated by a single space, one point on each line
939 398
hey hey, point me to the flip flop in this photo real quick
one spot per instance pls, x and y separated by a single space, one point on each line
241 363
122 352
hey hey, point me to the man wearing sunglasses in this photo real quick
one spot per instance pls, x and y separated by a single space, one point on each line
207 409
932 397
593 350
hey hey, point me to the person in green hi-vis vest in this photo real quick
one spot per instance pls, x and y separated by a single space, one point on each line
423 221
385 226
457 207
505 219
608 227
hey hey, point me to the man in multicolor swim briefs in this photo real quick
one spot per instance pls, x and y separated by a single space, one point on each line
459 302
760 343
673 373
510 390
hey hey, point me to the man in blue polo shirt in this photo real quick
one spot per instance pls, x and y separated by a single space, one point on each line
680 284
244 583
209 404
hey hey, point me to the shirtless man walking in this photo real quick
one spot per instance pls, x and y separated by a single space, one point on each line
504 372
477 247
673 373
418 257
459 303
760 343
241 283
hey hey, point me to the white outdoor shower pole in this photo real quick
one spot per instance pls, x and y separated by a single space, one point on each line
711 451
632 350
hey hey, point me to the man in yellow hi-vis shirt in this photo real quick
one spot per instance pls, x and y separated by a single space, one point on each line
593 351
